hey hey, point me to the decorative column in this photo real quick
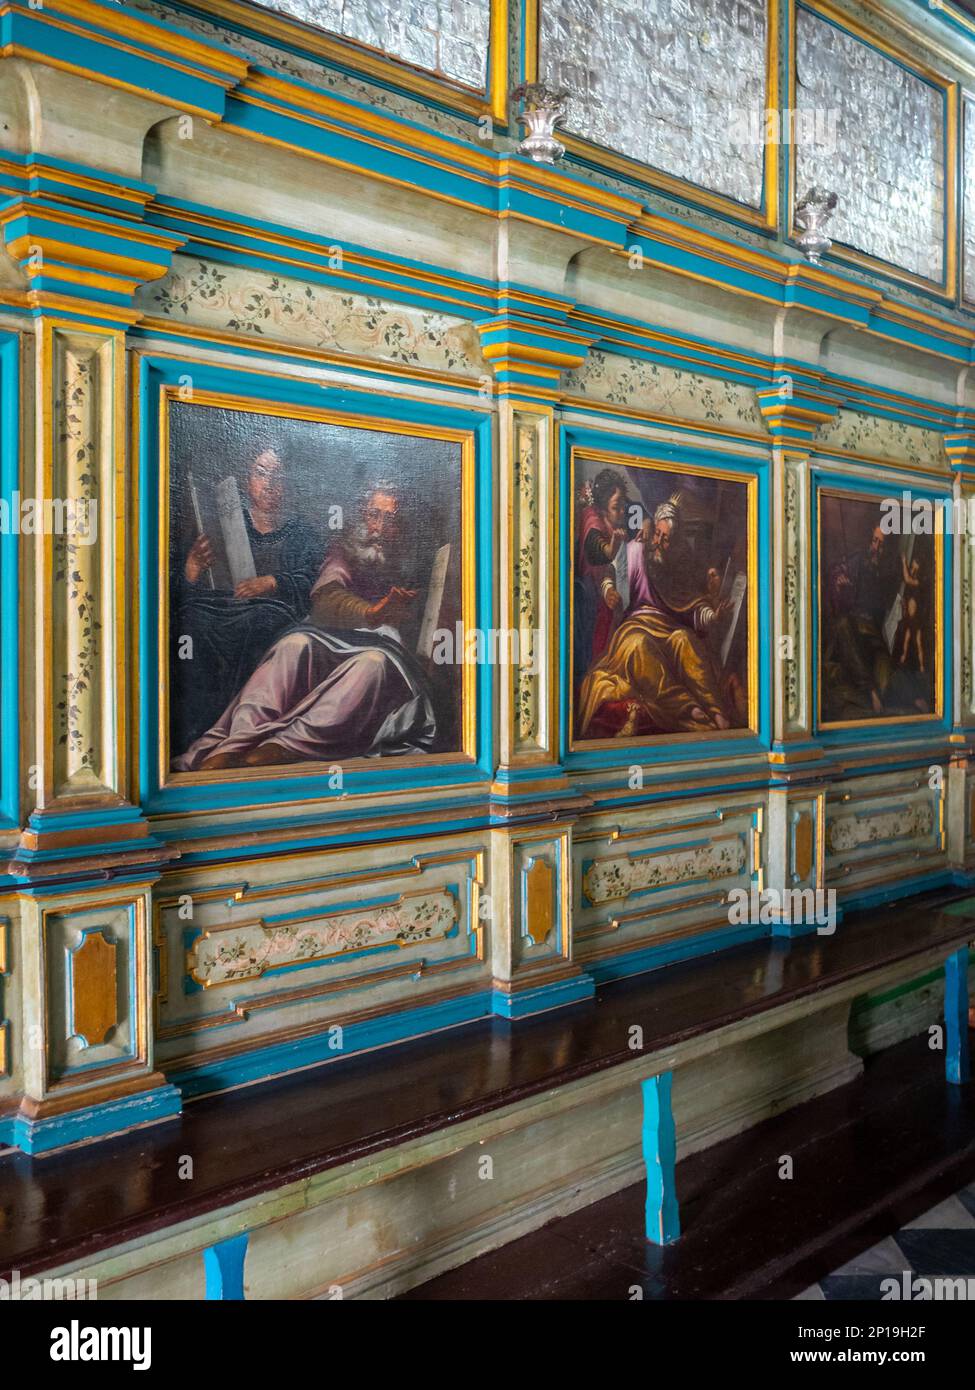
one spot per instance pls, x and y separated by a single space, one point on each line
80 296
78 243
960 795
530 343
86 861
794 408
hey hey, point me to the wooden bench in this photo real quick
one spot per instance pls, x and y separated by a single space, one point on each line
67 1207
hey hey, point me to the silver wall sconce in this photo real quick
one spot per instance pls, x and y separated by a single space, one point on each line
813 211
544 109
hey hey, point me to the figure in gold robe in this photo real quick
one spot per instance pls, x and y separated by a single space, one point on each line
659 665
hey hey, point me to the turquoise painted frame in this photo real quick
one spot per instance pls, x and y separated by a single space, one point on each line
155 373
10 417
700 457
886 729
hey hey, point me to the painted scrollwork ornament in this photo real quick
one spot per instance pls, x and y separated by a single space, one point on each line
543 110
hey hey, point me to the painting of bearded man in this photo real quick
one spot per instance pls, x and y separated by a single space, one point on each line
346 678
677 581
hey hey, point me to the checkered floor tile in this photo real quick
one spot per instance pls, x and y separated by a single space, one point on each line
939 1244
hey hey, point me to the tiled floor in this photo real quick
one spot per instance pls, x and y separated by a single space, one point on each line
939 1243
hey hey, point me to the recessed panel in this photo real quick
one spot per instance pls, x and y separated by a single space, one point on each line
677 87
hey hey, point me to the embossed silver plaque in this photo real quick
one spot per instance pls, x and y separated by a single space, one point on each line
447 37
887 165
679 84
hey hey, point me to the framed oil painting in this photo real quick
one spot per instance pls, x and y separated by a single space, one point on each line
312 560
880 616
664 601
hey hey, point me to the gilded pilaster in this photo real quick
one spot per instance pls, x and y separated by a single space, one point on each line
81 570
84 1045
960 450
528 538
530 343
960 790
794 408
80 482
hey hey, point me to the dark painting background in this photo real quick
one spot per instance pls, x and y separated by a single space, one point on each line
325 465
847 524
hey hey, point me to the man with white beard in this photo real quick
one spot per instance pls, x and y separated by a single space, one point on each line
658 664
341 684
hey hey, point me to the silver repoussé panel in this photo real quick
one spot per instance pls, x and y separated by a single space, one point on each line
448 37
888 162
968 181
679 84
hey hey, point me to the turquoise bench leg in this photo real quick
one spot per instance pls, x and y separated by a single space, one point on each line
957 1062
660 1157
223 1265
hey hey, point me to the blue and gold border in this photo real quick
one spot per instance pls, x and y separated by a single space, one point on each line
751 469
158 382
10 417
824 482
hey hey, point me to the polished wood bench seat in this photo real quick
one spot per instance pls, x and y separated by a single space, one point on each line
68 1206
870 1155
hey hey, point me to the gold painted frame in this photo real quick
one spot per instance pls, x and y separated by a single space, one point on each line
766 218
54 338
78 904
815 598
946 288
372 63
749 480
965 300
317 415
541 418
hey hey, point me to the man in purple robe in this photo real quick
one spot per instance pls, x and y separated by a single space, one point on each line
342 684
